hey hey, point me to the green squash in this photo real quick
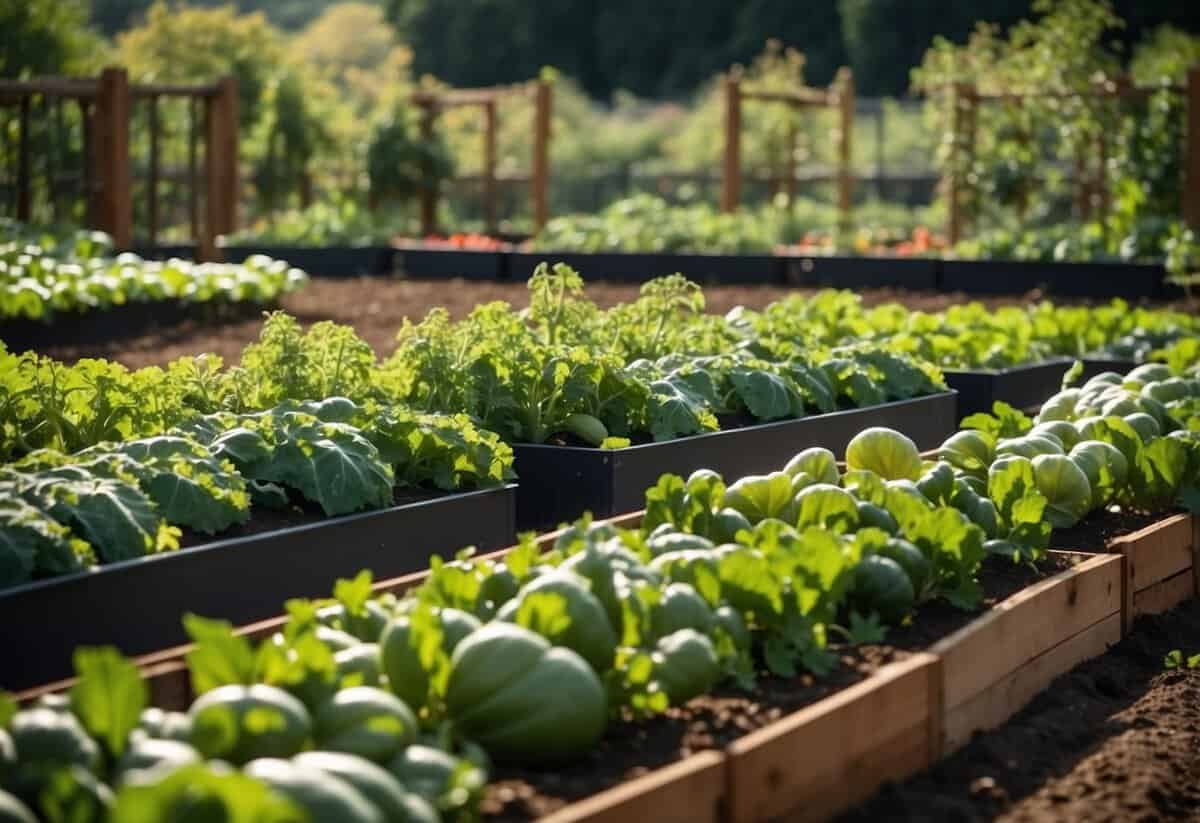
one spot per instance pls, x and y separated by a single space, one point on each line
361 661
685 665
324 797
680 607
381 789
456 625
881 586
523 700
588 632
146 753
407 678
243 723
48 738
365 721
424 770
164 725
13 810
910 558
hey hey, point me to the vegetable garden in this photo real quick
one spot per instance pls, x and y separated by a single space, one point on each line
796 511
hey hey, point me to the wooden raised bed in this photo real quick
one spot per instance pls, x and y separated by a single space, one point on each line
824 758
1161 565
996 665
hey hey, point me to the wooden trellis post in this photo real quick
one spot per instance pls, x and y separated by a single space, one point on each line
221 167
845 101
731 178
541 154
429 187
962 142
1191 181
111 133
489 165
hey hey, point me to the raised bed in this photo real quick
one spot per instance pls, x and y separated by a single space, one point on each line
116 322
1022 387
631 267
818 761
995 666
166 251
321 261
137 605
559 483
1161 565
917 273
1128 280
417 261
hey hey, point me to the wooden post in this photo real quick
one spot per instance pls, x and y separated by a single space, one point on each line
845 101
111 132
731 177
1191 187
87 114
429 188
489 165
24 174
152 183
221 166
541 153
954 183
193 168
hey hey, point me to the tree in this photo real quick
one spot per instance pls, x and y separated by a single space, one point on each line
40 37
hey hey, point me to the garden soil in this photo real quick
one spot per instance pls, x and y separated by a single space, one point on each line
377 306
1116 739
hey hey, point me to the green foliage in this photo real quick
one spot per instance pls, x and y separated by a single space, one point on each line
43 37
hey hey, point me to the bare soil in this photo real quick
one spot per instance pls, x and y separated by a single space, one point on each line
377 306
1116 739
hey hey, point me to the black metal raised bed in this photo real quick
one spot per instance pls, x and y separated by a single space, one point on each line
117 322
322 261
630 267
1129 280
917 273
138 605
415 261
1022 387
559 483
165 251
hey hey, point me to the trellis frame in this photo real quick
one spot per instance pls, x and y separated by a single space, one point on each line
106 105
839 97
966 100
432 103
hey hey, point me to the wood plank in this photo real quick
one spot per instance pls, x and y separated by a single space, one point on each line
1027 624
691 791
1157 552
823 758
1165 595
993 706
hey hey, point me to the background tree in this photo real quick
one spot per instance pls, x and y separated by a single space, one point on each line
40 37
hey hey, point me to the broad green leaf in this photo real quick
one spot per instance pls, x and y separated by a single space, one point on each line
108 696
219 657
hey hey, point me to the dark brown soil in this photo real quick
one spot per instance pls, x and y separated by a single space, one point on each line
376 307
1094 533
633 748
1117 738
300 513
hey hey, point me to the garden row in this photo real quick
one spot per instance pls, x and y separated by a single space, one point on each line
1067 279
779 645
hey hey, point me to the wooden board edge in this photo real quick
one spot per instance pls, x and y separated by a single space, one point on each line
1000 701
1165 595
838 744
163 669
690 791
974 657
1159 551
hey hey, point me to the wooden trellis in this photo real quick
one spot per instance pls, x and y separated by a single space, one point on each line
106 177
839 97
433 102
1091 194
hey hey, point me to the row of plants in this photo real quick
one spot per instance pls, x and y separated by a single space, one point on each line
972 335
365 708
44 275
